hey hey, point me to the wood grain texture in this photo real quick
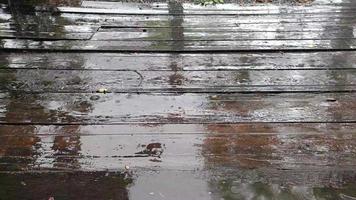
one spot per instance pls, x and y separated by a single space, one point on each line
180 108
180 62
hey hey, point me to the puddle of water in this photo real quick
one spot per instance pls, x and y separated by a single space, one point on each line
163 184
173 185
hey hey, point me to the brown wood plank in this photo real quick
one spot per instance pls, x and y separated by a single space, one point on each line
179 46
218 7
181 149
144 11
58 26
175 108
65 147
315 30
206 21
309 154
225 24
186 18
38 80
114 186
67 185
340 39
47 20
212 129
312 27
209 90
179 62
83 23
186 9
179 34
45 36
230 6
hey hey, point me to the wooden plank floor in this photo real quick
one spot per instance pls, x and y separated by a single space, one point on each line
172 101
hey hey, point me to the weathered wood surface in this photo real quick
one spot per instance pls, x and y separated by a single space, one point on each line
88 146
296 154
180 62
182 73
104 147
169 11
186 108
154 34
178 46
304 23
83 81
201 102
218 7
176 27
74 185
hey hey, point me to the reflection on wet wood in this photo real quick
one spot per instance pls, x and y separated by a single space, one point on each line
175 108
38 80
180 62
46 36
74 185
284 152
116 33
252 146
242 11
332 4
150 34
224 102
287 23
274 45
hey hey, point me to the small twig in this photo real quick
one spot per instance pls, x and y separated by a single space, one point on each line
95 31
141 77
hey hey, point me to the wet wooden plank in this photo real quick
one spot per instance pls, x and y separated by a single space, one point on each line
310 154
48 21
177 9
186 20
45 35
68 149
206 21
342 18
147 184
212 129
179 62
175 108
57 26
260 149
67 185
281 40
296 24
45 30
314 30
225 24
233 6
178 151
309 21
218 7
242 34
87 81
178 46
312 27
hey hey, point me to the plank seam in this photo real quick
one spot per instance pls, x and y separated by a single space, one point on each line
198 51
166 123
